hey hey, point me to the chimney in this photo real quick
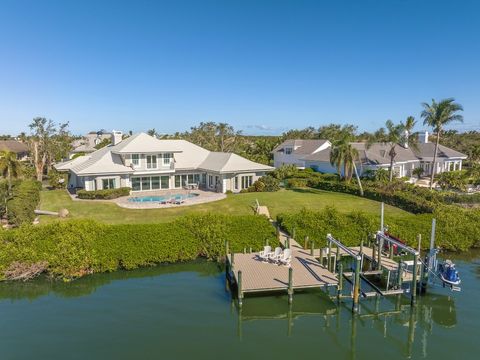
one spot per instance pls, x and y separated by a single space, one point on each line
423 137
116 137
405 139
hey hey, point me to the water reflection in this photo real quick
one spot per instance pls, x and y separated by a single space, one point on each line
393 317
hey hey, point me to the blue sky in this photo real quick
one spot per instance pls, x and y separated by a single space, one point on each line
262 66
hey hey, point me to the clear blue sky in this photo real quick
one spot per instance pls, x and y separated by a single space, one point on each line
262 66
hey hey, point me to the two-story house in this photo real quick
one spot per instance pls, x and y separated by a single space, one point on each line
145 163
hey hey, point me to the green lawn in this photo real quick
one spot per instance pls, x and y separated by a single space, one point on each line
278 202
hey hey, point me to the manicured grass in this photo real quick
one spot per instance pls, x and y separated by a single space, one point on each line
278 202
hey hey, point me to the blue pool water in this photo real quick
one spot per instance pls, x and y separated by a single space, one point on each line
157 198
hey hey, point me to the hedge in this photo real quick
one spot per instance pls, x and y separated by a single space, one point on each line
457 228
25 198
106 194
78 247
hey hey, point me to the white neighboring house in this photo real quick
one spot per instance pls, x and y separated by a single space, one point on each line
145 163
315 154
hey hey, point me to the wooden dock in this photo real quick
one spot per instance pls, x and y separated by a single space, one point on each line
260 276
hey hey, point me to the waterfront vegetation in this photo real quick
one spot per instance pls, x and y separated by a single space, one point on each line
71 249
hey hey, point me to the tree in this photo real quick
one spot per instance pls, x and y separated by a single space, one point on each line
343 154
392 137
152 132
410 124
437 115
9 167
47 144
213 136
333 132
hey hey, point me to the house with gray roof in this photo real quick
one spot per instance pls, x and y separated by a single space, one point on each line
17 147
86 144
145 163
315 154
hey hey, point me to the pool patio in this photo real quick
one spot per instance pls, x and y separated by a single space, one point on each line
203 197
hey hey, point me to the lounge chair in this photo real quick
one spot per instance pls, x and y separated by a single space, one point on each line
276 255
286 257
265 254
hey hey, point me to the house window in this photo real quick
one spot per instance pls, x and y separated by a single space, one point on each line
236 182
165 182
135 159
145 183
155 182
151 161
167 158
210 181
108 183
136 184
247 181
288 151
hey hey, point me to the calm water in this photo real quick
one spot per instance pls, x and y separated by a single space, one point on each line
158 198
183 312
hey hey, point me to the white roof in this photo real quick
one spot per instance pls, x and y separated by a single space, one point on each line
144 143
230 162
188 156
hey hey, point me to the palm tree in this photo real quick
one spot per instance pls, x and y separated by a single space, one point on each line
394 135
410 124
437 115
9 166
343 154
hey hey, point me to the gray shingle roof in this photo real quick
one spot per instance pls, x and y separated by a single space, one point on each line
427 150
230 162
13 146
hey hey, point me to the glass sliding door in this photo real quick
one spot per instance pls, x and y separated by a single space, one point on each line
165 182
145 183
136 184
155 182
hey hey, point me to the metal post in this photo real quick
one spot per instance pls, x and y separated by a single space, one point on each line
380 246
356 287
429 258
290 285
340 281
361 255
239 288
382 210
329 258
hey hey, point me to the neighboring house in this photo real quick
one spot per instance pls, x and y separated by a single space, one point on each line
87 143
315 154
145 163
16 147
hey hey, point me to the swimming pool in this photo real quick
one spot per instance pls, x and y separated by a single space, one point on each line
158 198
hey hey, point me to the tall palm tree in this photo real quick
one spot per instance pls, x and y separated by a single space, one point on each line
437 115
343 154
392 137
9 166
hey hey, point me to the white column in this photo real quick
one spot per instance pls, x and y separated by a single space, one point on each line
460 165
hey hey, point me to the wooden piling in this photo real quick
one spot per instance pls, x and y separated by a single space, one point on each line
380 246
290 285
414 281
329 257
400 274
239 288
340 281
312 244
374 266
305 244
356 287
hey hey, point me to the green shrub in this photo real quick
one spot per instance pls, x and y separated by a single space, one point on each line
106 194
78 247
57 180
24 200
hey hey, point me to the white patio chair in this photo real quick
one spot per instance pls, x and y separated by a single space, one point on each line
275 256
286 257
265 254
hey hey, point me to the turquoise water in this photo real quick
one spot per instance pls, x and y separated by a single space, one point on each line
184 312
152 198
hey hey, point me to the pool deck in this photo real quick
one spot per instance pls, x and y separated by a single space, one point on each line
203 197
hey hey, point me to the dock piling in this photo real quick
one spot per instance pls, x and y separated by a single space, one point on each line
239 288
340 281
356 286
290 285
305 244
312 244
